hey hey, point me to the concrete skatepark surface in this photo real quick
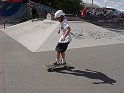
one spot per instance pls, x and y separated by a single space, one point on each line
42 35
98 68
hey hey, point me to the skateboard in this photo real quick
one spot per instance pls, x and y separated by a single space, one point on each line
51 68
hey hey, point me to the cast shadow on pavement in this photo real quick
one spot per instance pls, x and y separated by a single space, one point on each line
90 74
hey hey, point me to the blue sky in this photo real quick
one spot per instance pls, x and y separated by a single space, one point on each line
117 4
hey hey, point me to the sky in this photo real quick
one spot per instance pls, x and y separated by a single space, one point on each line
117 4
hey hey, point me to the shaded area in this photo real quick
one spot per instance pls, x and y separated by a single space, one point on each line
113 24
9 9
13 13
89 74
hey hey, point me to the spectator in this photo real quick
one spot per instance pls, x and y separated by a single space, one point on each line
33 7
84 11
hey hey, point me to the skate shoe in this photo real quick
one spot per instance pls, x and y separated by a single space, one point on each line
55 63
63 62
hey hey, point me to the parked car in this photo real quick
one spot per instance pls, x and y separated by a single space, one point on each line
122 15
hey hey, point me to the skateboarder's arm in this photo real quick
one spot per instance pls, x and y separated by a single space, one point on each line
68 29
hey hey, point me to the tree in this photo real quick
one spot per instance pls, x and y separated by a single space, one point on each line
68 6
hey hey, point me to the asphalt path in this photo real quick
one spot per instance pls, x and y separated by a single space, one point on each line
98 69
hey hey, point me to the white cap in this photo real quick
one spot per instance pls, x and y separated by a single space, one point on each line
59 13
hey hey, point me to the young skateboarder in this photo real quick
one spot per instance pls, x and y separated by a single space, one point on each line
64 40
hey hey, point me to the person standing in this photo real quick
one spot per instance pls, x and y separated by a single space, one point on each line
84 11
33 7
64 40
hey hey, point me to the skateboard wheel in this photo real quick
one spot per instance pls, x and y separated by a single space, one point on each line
65 67
50 70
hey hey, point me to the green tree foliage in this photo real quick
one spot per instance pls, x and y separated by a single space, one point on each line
68 6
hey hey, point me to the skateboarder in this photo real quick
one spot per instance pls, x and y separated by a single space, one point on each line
64 40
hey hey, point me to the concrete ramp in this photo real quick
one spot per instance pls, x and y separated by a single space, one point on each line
32 34
85 34
42 35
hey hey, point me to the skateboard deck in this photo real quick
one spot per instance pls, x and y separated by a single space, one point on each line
58 67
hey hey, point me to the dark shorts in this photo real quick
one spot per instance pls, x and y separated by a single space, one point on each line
61 47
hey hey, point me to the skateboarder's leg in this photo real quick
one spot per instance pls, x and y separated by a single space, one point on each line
60 52
63 62
62 56
64 47
58 56
57 59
